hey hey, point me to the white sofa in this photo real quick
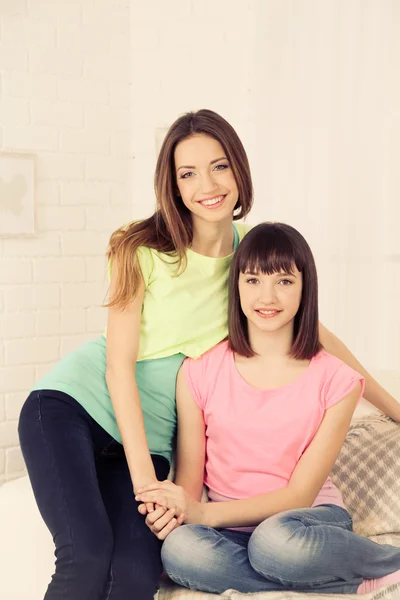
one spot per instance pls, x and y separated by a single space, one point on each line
26 548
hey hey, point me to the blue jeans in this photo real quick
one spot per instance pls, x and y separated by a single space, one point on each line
82 485
310 549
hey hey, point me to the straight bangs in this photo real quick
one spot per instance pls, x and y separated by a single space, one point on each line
269 254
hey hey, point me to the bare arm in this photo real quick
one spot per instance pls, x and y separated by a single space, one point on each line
191 441
123 330
189 465
374 392
307 479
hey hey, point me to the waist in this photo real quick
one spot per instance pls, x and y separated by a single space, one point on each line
328 494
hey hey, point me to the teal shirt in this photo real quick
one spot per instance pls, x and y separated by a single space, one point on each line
181 316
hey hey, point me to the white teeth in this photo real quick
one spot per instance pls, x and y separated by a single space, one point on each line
267 312
212 201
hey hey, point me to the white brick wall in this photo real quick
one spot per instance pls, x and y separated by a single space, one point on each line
64 96
285 74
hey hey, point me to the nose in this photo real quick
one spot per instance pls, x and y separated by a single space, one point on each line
267 293
207 184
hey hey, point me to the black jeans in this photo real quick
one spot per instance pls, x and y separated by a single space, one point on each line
83 489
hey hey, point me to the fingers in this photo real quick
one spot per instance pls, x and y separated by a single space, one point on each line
158 520
155 515
142 509
167 529
162 521
149 507
153 497
169 500
173 524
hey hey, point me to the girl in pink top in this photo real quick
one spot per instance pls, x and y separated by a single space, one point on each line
266 412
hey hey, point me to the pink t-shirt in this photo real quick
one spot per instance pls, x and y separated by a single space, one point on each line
255 437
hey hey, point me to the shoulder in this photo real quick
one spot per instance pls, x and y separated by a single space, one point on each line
202 372
328 365
242 229
145 259
212 359
156 264
336 378
217 354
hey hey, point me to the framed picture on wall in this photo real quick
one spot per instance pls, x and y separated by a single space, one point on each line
17 194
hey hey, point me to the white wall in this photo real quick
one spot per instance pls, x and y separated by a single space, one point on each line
312 89
64 96
326 100
186 56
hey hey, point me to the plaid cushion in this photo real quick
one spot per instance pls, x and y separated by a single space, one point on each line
175 592
367 472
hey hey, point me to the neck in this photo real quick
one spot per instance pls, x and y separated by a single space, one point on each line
212 239
271 344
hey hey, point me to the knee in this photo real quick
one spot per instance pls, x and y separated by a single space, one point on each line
136 577
185 552
87 564
279 551
137 571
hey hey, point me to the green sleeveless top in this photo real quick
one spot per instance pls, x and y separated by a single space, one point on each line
182 315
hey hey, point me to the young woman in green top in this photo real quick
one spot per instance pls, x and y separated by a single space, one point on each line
101 424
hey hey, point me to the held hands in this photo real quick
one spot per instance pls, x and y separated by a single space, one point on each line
149 507
161 521
173 506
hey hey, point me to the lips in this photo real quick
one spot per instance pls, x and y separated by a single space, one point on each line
267 313
213 202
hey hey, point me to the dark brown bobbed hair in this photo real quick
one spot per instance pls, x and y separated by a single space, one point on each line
273 248
170 228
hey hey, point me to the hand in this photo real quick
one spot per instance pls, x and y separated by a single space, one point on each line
171 496
396 415
142 508
149 506
162 521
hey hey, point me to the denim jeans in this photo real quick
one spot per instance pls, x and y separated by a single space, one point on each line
82 485
310 549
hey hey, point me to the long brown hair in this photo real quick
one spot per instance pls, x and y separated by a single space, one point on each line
272 248
170 229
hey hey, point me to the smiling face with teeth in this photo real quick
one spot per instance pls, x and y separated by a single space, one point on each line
270 302
205 179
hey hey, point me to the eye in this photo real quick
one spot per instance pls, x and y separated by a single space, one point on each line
251 280
187 175
285 282
221 167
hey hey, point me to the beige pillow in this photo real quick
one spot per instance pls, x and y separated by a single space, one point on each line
367 472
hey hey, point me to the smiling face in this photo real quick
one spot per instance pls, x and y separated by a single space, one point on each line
270 302
205 179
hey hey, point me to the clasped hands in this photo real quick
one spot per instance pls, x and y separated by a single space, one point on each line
172 507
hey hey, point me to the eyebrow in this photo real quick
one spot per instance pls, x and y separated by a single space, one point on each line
284 274
211 163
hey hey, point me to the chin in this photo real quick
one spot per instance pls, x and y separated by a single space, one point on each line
216 216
